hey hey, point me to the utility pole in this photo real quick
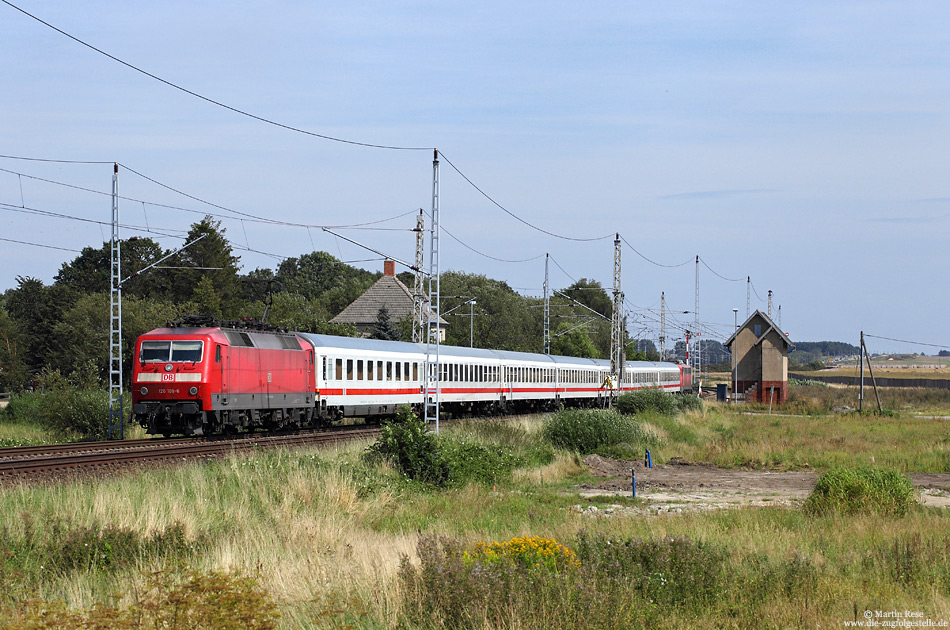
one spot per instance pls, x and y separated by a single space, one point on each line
471 330
861 388
116 408
419 319
433 389
699 350
735 357
770 303
748 296
662 326
547 308
616 323
779 322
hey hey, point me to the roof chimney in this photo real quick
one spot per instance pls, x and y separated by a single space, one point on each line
389 268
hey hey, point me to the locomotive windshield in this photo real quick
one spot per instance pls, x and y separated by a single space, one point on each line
171 351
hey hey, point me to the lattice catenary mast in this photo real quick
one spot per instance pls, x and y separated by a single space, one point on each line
433 391
662 326
616 322
419 319
116 409
547 308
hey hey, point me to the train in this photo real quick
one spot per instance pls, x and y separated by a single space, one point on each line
201 377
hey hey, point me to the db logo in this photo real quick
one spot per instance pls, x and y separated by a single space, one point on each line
168 377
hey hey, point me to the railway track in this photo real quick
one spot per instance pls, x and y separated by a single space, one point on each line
52 461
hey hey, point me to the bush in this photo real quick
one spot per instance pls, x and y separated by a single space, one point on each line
861 490
591 430
66 406
197 599
412 449
646 400
688 402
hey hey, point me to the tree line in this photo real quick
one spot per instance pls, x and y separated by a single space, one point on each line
64 326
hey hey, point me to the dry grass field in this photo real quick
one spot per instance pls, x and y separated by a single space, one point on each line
331 539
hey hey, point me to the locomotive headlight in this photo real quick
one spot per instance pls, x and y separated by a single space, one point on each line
193 391
169 367
144 391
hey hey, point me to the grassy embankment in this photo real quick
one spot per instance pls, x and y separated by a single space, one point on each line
324 534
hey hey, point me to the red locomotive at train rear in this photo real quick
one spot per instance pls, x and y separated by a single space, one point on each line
199 381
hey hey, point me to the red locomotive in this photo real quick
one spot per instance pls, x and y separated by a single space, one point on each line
205 379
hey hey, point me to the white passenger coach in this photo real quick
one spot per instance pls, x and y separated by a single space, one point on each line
367 378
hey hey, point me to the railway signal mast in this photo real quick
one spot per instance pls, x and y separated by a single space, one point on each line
433 389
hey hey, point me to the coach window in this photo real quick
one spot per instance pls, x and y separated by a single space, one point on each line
359 370
324 368
415 371
339 369
379 370
405 371
369 370
389 370
398 371
349 369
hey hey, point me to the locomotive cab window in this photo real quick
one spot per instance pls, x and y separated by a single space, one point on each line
171 351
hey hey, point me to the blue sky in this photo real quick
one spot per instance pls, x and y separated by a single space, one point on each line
804 145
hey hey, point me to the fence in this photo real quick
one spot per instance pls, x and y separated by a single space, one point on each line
885 381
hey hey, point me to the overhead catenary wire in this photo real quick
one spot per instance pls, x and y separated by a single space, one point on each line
295 129
717 274
247 216
653 262
236 110
512 214
915 343
480 253
65 249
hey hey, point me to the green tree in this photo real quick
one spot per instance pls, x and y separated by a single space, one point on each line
90 272
13 374
384 328
295 312
212 259
503 319
37 309
591 294
317 274
206 298
575 343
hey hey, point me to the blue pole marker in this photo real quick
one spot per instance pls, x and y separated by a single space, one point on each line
649 459
633 482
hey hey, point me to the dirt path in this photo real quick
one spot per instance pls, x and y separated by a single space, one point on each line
680 486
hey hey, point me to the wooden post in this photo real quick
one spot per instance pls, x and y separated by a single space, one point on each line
871 372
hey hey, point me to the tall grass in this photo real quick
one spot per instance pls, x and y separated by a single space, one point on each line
857 490
325 535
